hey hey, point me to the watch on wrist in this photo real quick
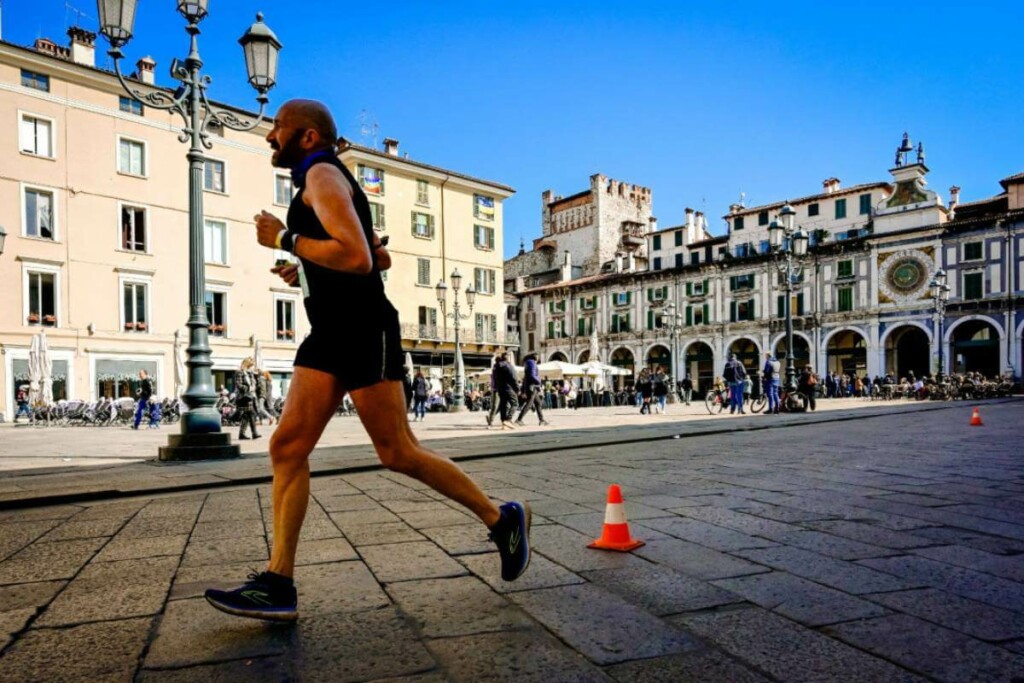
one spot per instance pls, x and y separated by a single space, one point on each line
384 240
288 242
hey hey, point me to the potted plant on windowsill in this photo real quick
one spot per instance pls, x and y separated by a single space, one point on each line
49 320
33 318
141 327
290 334
129 326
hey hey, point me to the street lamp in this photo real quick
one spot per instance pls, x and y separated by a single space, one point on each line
940 295
672 319
789 246
201 437
458 402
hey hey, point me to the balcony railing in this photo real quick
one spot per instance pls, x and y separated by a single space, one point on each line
466 335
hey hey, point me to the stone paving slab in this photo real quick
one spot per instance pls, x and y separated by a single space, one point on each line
703 665
952 611
460 606
661 590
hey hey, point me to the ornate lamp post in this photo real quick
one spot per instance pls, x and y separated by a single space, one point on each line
940 295
458 399
672 319
789 246
201 435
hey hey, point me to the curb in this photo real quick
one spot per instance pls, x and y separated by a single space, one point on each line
119 494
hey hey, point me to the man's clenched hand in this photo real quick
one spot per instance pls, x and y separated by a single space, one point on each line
289 273
267 228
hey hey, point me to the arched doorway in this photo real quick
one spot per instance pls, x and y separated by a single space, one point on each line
801 352
748 353
623 358
847 353
975 345
907 350
558 355
699 363
584 356
660 355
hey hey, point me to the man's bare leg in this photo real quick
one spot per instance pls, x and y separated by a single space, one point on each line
312 400
381 409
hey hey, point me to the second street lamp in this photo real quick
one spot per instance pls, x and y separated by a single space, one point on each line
672 318
458 398
940 295
789 246
201 436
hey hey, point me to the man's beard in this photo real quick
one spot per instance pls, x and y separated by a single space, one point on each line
290 154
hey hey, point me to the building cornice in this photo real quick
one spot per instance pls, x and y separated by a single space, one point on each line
422 170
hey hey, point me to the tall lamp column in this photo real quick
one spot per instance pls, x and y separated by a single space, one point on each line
458 393
940 295
789 246
201 437
672 318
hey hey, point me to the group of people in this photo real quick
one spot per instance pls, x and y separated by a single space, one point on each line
652 390
506 392
738 383
254 398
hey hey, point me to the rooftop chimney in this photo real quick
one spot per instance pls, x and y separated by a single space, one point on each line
653 222
391 146
954 200
567 266
145 70
83 46
830 185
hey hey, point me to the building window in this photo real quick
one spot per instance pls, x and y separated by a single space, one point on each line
131 157
423 272
813 209
974 285
483 207
741 282
133 228
486 327
657 263
762 218
283 190
742 310
585 326
39 214
679 260
483 280
213 177
694 258
422 225
428 322
972 251
844 268
483 237
697 315
36 136
133 298
622 298
840 208
216 313
131 106
865 205
371 180
42 298
844 297
36 81
284 319
620 322
215 241
377 216
657 242
796 302
679 238
422 193
737 223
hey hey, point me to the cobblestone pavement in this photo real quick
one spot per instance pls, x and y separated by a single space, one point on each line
883 549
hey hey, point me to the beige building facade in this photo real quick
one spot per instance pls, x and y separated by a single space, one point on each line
94 201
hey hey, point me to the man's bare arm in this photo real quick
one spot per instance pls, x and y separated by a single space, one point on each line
329 194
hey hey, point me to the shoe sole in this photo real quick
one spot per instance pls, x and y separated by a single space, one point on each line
255 614
528 514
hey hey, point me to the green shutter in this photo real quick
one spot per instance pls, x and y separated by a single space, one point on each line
551 329
732 283
707 319
706 289
689 316
782 306
650 320
679 238
580 330
593 301
689 289
732 311
650 294
490 238
664 292
800 303
615 322
629 298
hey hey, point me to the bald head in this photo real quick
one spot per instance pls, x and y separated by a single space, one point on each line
311 115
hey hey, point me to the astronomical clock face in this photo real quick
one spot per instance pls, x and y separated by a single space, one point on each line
904 275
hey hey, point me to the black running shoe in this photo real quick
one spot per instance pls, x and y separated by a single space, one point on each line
264 596
512 536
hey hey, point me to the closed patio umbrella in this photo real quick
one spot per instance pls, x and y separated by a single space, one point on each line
179 366
46 367
35 371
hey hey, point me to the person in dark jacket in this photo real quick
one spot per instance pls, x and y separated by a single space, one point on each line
687 388
407 382
245 398
507 387
420 393
734 373
145 393
532 388
645 389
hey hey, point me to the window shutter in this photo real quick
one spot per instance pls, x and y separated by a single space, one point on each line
782 306
706 290
580 327
689 289
800 303
689 316
593 301
650 320
732 311
551 329
732 283
679 238
615 322
664 292
490 238
650 294
490 281
750 310
707 319
629 298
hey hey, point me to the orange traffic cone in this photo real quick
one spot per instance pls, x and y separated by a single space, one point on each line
976 418
616 531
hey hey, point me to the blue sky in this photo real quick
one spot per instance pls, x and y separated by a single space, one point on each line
699 101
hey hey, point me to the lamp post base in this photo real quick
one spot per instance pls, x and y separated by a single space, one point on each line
191 447
457 407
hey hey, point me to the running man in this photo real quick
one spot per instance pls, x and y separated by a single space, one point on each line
354 346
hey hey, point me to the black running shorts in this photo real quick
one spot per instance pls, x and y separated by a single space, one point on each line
359 356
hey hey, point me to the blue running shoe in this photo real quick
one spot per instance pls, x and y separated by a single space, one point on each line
512 536
264 596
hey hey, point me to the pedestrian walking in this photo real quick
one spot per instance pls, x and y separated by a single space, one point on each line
659 390
21 397
145 393
407 386
734 373
532 387
260 406
268 396
687 387
493 406
354 345
807 385
645 390
770 381
245 398
507 386
420 393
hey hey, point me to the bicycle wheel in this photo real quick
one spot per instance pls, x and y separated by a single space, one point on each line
796 402
758 404
713 402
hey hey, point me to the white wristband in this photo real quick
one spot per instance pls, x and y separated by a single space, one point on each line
277 242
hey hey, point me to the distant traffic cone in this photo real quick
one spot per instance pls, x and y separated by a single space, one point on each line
615 535
976 418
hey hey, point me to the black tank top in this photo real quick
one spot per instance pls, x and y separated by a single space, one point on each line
336 300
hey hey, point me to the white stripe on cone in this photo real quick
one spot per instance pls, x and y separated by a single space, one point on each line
614 513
